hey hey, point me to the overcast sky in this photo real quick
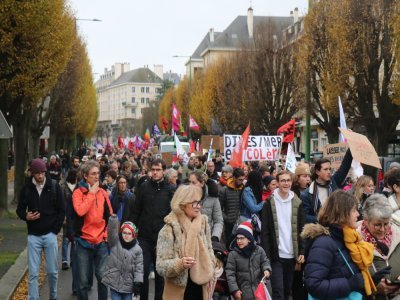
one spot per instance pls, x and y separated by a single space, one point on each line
149 32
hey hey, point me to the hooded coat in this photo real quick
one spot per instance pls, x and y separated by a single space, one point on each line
229 198
326 274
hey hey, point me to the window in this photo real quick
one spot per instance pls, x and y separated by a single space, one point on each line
142 89
142 100
147 89
133 89
133 110
141 110
158 91
133 99
147 100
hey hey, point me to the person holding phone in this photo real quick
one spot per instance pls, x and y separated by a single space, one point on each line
41 205
377 229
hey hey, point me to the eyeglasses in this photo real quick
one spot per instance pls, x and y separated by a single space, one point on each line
240 238
285 180
381 225
156 170
197 204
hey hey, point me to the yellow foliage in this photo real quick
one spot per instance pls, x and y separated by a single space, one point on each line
36 40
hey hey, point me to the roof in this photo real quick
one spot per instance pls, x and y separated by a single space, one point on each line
140 75
237 34
204 44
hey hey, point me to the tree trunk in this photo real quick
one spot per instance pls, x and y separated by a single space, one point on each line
3 176
34 143
52 140
21 129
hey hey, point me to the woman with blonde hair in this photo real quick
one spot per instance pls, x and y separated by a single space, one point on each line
362 189
184 253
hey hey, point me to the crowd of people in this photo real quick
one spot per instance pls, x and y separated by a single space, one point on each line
204 230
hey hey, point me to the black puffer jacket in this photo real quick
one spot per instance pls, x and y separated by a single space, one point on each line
244 273
229 198
152 205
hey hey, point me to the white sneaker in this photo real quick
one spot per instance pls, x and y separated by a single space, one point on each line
152 275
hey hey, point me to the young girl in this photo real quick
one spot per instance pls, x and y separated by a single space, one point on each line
124 271
247 264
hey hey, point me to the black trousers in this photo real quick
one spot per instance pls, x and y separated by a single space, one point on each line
149 258
282 278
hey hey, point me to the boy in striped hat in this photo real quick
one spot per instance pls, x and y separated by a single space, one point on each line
247 264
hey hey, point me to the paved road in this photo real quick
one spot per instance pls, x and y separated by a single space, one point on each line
65 286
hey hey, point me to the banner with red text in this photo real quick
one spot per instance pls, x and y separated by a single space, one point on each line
260 147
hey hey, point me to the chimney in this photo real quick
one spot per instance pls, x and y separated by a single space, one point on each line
211 35
296 15
250 22
159 71
291 14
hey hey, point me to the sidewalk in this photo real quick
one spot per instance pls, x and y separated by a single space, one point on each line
13 261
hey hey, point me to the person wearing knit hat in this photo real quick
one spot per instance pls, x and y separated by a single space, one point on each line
41 205
125 251
270 184
302 178
38 166
245 229
247 264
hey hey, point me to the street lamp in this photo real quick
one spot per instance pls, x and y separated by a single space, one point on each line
86 20
190 84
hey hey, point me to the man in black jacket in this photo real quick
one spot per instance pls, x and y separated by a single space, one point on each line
152 205
41 205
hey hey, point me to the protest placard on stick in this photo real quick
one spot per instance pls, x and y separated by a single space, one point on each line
361 148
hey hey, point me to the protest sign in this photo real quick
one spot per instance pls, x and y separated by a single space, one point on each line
217 142
260 147
361 148
291 161
335 153
168 157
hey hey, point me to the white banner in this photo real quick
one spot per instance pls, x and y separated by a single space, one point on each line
260 147
290 159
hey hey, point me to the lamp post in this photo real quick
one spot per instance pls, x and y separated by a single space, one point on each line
190 84
85 20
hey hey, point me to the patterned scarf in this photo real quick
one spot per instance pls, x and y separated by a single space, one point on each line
383 245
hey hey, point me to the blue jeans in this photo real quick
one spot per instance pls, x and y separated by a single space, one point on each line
85 258
37 243
120 296
64 250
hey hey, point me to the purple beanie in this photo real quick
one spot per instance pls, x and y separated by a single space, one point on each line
37 166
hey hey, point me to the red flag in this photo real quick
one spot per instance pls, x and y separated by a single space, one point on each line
237 154
176 124
165 123
287 130
261 293
121 142
193 124
192 147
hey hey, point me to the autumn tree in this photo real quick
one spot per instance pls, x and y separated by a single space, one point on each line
35 46
348 50
271 80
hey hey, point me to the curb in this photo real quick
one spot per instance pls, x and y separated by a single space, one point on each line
10 281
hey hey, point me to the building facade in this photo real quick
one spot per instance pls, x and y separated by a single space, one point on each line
122 95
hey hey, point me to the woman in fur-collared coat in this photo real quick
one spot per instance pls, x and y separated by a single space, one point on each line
184 253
